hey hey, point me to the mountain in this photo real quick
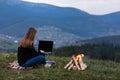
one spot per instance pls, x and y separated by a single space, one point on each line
21 16
7 44
57 35
17 16
112 22
115 40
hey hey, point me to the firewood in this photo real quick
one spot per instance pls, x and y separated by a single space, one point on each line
76 63
74 68
82 65
70 62
70 66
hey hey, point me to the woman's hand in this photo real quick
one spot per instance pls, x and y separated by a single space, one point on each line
42 51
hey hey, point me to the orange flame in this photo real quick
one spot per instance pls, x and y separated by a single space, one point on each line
79 56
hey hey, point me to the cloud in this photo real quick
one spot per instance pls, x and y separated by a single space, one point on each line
90 6
99 6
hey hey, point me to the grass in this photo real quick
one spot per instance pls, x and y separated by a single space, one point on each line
97 70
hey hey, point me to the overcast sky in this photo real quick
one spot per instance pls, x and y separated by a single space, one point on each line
97 7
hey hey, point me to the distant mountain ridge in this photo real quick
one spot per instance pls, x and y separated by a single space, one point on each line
17 16
113 40
7 44
57 35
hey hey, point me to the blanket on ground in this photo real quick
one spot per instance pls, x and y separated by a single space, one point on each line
15 65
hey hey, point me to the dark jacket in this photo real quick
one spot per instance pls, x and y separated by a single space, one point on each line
25 54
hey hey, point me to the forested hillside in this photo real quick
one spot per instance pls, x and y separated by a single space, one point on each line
92 51
114 40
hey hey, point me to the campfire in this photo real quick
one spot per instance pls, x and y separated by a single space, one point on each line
76 63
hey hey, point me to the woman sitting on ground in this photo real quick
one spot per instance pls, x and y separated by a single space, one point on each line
27 55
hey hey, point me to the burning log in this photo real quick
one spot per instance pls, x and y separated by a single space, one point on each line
76 63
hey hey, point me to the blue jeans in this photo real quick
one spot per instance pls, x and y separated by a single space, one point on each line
35 60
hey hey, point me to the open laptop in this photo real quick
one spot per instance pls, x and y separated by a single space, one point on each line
47 46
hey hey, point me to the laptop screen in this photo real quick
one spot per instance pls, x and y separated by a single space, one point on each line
47 46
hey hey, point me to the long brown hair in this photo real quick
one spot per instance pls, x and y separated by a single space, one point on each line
28 40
